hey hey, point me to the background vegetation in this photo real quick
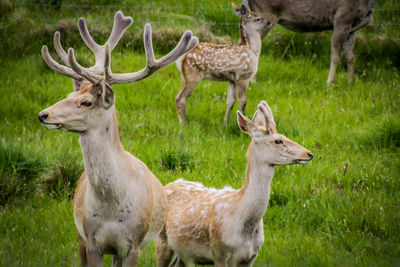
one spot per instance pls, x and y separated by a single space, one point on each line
340 209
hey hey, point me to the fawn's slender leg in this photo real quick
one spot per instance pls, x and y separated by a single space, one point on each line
181 98
241 91
230 101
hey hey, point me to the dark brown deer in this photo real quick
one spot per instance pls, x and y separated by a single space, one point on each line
344 17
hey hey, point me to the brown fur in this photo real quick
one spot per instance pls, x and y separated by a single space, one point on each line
344 17
236 64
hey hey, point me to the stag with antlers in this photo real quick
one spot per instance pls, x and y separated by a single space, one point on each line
119 205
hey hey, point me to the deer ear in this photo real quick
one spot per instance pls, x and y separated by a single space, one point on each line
245 124
244 11
107 95
259 119
237 9
77 85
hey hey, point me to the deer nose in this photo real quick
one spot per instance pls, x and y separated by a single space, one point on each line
310 155
42 116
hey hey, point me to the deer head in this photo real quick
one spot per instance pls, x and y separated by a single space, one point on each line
270 146
251 21
91 103
81 111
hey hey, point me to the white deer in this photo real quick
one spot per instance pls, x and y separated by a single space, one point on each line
119 205
225 227
236 64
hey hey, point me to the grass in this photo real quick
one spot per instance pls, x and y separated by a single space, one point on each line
341 209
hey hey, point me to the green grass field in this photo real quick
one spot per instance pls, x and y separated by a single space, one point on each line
341 209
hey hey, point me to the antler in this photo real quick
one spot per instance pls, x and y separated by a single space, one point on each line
121 23
186 43
102 54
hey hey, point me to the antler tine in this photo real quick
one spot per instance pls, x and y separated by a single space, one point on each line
86 37
187 42
59 49
148 46
82 71
121 23
57 67
107 62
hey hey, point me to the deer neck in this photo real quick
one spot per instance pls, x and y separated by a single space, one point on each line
254 194
250 38
102 150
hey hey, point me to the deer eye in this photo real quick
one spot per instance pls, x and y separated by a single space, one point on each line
86 103
278 141
258 20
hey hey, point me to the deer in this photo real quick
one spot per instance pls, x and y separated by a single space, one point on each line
224 227
119 205
236 64
344 17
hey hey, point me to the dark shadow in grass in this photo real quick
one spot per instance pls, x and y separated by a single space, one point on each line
176 160
233 129
277 199
19 172
386 134
60 182
25 174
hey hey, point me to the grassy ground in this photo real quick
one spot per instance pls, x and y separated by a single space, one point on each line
340 209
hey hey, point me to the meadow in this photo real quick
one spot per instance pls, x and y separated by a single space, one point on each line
341 209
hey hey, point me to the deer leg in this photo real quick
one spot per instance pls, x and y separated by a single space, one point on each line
82 251
221 264
248 264
181 98
164 253
117 261
348 47
338 37
94 258
132 260
178 262
230 101
241 91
